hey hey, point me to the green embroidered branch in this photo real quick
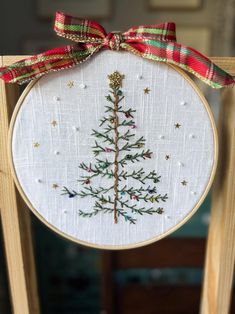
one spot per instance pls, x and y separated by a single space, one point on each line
138 175
132 191
90 190
127 123
149 211
103 164
110 109
133 208
137 144
149 196
99 208
126 216
106 137
102 200
139 210
107 200
102 170
122 213
108 129
105 119
97 149
87 179
135 157
127 113
95 171
137 193
110 99
152 175
99 190
126 136
70 193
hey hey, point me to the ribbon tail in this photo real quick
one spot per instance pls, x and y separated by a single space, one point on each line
184 57
52 60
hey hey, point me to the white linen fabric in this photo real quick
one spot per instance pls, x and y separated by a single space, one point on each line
46 154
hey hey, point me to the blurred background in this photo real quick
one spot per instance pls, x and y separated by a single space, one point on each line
164 277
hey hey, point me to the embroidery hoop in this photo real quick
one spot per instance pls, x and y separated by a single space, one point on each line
129 246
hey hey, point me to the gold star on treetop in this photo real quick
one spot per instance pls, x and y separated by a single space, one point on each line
184 182
146 90
54 123
55 186
36 145
177 125
70 84
167 157
115 80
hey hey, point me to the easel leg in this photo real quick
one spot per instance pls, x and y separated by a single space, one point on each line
15 221
220 255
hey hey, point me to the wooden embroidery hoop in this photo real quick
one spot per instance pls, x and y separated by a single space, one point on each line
117 247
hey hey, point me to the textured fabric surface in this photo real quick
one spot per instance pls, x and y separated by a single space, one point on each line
52 136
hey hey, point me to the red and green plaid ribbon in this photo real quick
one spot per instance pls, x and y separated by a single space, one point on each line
154 42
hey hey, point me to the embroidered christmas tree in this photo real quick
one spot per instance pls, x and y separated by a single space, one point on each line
116 147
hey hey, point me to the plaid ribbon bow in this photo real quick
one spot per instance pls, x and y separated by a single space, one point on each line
154 42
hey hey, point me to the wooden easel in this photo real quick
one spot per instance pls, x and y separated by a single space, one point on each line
220 255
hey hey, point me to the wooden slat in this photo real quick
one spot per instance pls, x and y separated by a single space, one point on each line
8 60
15 220
226 63
165 253
220 255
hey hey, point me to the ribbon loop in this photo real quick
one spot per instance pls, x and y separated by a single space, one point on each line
113 40
163 32
78 30
152 42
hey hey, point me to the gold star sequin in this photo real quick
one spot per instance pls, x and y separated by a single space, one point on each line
177 125
55 185
147 90
116 80
167 157
54 123
184 182
70 84
36 144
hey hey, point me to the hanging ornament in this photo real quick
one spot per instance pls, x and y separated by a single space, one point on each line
146 151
